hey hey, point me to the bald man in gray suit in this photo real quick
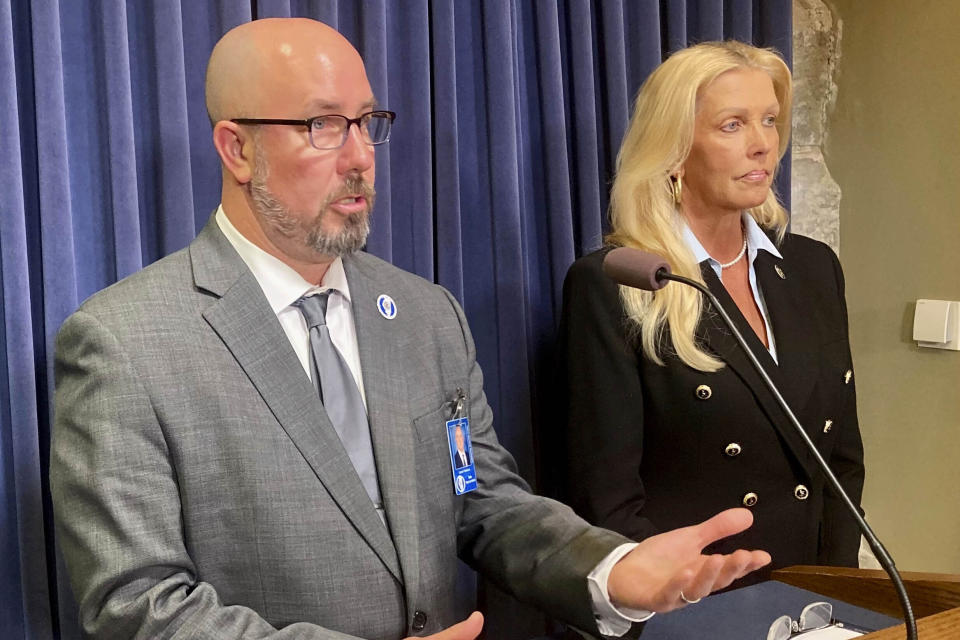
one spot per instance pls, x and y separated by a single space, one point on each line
201 490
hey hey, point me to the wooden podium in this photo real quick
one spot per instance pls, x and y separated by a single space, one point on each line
935 596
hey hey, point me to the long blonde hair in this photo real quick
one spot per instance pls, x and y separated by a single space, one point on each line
642 210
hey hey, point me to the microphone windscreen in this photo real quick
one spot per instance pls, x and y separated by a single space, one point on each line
635 268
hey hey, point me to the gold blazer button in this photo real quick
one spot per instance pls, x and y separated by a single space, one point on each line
800 492
733 449
827 426
704 392
750 499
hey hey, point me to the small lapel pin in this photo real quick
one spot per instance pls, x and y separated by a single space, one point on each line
779 271
386 306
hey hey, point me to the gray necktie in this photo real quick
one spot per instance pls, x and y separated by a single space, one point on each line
339 393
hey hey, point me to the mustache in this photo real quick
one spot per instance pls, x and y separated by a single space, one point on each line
354 185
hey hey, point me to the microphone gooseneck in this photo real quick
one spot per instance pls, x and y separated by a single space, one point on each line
651 274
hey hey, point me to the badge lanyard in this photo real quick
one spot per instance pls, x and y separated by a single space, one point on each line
461 448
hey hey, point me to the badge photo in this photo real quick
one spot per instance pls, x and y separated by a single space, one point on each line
461 455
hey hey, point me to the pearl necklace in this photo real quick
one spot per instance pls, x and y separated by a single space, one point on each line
743 250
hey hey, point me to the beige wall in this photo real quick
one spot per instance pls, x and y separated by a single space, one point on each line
894 148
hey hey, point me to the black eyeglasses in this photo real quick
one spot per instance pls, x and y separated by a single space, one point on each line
330 131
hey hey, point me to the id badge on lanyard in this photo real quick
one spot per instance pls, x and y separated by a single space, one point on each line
461 449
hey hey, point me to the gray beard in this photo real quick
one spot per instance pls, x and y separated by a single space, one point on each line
351 237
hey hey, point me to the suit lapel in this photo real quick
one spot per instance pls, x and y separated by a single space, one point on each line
390 423
243 319
719 339
792 329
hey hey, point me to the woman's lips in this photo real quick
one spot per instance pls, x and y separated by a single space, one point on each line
755 176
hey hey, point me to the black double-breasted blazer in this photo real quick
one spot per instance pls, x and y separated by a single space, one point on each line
644 448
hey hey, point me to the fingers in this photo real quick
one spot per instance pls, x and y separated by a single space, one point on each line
706 580
668 597
653 574
469 629
715 572
726 523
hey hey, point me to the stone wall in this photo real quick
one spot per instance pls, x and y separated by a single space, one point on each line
815 196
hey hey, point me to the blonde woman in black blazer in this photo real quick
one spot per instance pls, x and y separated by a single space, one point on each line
665 421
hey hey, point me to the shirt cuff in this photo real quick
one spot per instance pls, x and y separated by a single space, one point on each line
611 619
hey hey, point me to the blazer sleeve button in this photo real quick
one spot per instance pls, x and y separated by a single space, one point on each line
419 620
800 492
704 392
750 499
733 449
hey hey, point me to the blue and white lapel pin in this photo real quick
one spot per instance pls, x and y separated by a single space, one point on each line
386 306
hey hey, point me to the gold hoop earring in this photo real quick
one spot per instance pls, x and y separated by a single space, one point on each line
676 184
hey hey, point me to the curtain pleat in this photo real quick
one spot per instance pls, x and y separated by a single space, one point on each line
503 158
118 133
738 20
53 280
615 93
445 126
547 125
496 178
174 178
23 562
407 177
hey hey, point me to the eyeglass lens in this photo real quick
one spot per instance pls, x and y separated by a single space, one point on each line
815 615
781 628
330 132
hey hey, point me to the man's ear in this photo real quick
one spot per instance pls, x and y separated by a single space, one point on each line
234 148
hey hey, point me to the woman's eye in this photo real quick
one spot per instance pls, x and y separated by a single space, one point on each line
733 125
770 121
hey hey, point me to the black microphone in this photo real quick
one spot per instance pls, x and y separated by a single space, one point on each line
636 268
643 270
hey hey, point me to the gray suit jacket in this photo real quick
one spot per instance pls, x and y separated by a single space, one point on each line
201 492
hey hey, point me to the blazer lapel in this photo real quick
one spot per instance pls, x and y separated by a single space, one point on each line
391 426
716 335
795 338
243 319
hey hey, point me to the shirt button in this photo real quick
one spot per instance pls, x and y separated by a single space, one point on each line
750 499
419 620
704 392
800 492
733 449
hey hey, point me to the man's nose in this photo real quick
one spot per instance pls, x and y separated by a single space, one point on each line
356 154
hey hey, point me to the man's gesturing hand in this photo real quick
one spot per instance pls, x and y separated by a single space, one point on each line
652 576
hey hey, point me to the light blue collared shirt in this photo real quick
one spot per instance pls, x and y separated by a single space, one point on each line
756 240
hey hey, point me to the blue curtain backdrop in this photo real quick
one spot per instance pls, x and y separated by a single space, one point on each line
510 115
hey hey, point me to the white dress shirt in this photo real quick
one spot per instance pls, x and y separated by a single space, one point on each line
757 240
283 286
